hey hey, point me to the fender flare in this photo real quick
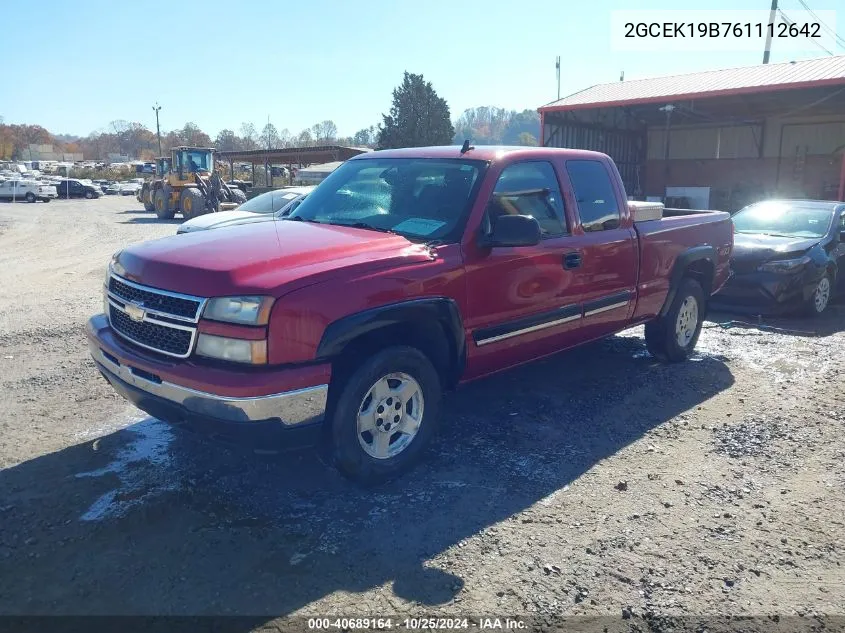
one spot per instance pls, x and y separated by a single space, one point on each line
682 263
443 310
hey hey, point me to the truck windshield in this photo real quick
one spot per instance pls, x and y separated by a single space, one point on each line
786 219
420 198
194 161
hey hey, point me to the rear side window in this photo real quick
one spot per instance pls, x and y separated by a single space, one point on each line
529 188
594 194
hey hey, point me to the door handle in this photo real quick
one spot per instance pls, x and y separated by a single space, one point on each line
572 260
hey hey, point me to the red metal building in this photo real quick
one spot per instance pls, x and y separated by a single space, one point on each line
723 137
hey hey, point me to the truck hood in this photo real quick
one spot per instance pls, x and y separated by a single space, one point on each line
262 258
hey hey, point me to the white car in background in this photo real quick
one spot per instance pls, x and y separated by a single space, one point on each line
29 190
129 188
266 207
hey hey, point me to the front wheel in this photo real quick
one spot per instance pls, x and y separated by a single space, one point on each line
89 195
192 203
820 298
673 337
385 415
238 195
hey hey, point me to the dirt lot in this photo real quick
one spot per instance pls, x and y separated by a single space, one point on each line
597 482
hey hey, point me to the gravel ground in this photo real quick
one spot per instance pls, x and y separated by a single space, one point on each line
595 483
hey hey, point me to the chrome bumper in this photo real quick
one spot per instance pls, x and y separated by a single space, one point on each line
293 408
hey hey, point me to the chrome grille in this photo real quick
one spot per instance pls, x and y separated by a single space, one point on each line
164 322
161 338
169 303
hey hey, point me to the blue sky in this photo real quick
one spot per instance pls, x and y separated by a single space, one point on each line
90 62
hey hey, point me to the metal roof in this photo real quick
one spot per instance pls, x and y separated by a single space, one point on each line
283 155
811 73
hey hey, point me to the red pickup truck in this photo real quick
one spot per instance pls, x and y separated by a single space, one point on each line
404 274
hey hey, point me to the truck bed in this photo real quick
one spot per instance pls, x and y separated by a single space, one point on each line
662 241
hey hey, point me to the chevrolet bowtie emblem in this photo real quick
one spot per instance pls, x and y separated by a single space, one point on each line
135 312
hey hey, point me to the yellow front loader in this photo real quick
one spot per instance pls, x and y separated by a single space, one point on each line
193 187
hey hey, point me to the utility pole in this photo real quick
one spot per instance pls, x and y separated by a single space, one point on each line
157 107
557 69
668 110
769 28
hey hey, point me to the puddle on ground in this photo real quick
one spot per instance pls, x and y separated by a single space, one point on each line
142 466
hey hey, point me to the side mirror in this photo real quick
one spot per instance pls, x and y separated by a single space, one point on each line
842 235
513 230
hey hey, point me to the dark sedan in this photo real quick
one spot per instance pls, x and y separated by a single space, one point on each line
788 256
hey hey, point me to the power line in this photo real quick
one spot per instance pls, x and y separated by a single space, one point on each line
789 22
839 40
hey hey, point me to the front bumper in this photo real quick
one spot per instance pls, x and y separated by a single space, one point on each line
765 293
274 420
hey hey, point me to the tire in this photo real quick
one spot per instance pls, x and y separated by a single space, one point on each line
147 198
191 203
238 195
385 370
88 195
820 299
672 338
162 205
30 197
45 200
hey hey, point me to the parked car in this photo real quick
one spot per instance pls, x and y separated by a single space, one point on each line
29 190
789 256
129 188
349 318
268 206
72 188
113 189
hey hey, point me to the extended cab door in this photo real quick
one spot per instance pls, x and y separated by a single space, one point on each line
522 302
604 243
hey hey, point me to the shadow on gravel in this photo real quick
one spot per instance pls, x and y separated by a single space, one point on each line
185 526
152 219
141 211
828 323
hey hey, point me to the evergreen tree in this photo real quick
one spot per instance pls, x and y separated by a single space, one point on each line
418 117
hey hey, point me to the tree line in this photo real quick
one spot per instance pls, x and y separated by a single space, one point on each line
418 116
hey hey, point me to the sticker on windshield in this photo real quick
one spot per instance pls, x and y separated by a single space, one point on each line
419 226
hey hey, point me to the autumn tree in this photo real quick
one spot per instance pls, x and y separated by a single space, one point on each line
249 136
418 116
325 132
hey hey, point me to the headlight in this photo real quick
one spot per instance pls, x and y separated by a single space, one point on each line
233 349
785 265
250 310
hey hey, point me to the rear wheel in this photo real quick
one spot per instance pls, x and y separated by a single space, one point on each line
385 415
162 205
192 203
30 197
673 337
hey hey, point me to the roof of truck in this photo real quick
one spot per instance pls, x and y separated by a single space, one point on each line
479 152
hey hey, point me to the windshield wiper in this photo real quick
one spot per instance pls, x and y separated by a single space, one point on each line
299 218
363 225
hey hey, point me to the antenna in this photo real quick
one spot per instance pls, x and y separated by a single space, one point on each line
622 76
466 147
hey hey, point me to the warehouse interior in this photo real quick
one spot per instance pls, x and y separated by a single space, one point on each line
717 139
